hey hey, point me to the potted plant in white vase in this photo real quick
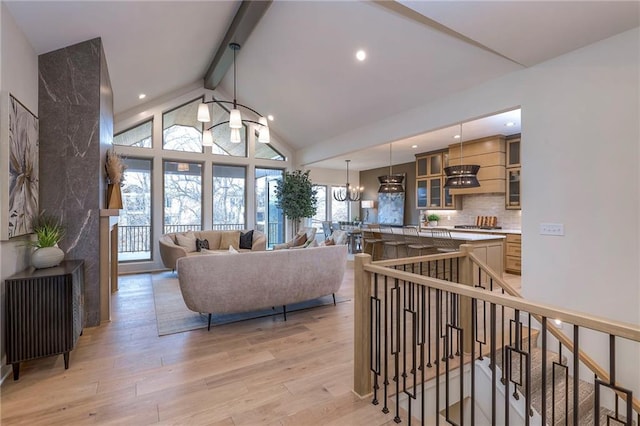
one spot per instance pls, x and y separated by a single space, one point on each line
49 231
433 219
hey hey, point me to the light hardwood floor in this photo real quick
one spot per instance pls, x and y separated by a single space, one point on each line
259 372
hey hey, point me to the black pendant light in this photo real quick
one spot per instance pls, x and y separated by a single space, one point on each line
391 184
462 175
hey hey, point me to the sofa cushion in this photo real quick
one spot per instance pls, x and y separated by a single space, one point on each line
202 244
229 239
187 240
299 240
212 236
246 240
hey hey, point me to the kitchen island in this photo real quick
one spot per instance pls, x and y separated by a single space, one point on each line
487 247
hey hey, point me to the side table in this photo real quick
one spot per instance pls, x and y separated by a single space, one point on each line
44 312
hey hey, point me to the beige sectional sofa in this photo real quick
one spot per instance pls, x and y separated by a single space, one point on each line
234 283
173 246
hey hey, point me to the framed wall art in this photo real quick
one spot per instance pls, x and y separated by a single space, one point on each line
21 203
391 208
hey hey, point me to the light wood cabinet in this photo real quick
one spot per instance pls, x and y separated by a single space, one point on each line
430 179
513 254
512 174
489 154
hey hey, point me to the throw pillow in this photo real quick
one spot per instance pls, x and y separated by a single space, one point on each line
329 242
202 244
246 240
187 240
229 239
299 240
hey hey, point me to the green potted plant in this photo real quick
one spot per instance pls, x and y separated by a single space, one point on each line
49 231
433 219
296 196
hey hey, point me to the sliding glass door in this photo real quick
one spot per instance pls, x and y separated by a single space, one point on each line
269 218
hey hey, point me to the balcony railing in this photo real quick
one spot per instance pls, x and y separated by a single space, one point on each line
138 239
442 339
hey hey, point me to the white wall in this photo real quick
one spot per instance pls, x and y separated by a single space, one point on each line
581 154
18 76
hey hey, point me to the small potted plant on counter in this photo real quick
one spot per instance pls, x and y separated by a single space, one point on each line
433 219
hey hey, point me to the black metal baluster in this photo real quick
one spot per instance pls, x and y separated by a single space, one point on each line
544 371
576 374
387 313
494 376
438 325
397 355
374 321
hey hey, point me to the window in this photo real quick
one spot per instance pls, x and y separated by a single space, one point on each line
321 208
138 136
267 151
229 184
339 209
134 228
269 218
222 144
181 131
182 196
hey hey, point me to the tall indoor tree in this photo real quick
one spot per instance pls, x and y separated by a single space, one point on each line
296 196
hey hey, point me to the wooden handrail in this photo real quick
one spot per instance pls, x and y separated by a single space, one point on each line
562 338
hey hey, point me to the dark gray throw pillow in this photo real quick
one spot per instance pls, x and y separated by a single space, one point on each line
246 240
202 244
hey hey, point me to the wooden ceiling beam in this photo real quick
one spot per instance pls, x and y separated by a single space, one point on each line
245 20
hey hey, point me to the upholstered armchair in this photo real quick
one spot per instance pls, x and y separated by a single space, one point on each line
303 239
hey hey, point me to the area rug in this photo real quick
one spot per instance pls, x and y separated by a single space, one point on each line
173 316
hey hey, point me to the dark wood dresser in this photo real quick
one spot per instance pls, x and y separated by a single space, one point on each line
44 312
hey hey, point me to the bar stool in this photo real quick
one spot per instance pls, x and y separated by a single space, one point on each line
443 242
412 238
369 238
390 241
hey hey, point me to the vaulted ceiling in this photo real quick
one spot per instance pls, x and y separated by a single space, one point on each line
299 62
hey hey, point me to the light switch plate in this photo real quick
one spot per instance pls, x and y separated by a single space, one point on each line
556 229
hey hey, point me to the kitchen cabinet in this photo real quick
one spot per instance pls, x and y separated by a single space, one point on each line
430 178
430 164
513 254
513 189
489 154
512 171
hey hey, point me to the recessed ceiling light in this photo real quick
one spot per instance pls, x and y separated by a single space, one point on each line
456 137
270 117
142 96
510 124
414 146
361 55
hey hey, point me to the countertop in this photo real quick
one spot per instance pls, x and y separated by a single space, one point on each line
467 236
482 231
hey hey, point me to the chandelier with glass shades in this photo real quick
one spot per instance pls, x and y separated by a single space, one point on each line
462 175
235 116
349 193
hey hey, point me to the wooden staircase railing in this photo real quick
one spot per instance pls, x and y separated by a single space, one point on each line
407 271
602 325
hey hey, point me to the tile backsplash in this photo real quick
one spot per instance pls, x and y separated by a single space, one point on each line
480 205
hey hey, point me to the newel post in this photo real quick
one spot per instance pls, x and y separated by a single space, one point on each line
362 384
466 278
